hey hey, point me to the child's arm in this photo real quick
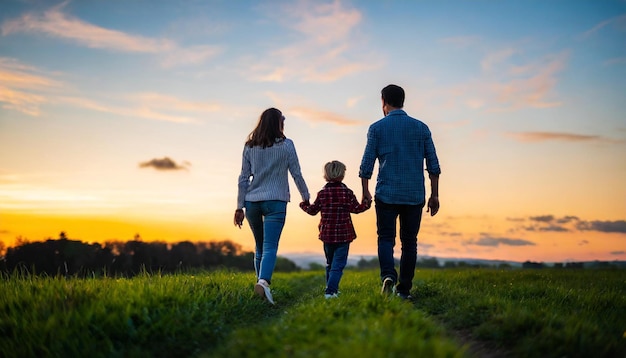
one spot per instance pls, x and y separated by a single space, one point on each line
355 207
311 209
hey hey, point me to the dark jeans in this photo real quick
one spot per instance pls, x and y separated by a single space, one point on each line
410 220
336 259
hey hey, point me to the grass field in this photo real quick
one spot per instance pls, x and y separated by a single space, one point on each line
456 313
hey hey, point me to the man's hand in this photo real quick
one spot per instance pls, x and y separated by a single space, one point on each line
433 205
239 215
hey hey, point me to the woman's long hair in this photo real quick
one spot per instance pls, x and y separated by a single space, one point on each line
269 129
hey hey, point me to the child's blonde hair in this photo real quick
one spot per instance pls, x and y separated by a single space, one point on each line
334 171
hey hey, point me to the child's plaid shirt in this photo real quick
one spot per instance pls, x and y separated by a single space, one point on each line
336 201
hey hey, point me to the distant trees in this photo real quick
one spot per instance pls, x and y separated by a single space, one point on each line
116 258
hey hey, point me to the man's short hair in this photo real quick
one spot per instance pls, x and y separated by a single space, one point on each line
393 95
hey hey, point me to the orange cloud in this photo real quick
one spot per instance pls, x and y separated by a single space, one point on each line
531 86
55 23
324 47
317 116
24 87
547 136
140 110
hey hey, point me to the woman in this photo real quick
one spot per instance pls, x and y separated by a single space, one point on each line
264 191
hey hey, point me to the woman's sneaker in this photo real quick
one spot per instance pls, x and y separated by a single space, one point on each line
262 288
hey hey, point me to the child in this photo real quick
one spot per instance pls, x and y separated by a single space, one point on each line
336 201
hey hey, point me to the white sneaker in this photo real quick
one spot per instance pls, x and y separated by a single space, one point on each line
330 295
389 288
262 288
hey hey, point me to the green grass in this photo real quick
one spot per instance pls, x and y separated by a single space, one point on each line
519 313
556 313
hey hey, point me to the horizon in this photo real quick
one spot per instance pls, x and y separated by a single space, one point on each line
119 120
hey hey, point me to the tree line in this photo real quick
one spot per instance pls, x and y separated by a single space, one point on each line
68 257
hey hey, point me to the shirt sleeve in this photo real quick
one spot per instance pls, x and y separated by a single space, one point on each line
296 173
354 205
312 209
369 156
244 178
432 162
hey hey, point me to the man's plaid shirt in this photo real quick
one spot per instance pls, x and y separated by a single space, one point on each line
336 201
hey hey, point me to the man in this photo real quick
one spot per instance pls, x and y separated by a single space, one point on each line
401 144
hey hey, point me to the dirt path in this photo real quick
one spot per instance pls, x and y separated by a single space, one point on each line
477 348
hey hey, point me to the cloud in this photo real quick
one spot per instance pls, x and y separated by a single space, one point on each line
621 252
618 22
530 85
508 81
572 223
618 226
57 24
567 219
454 234
542 218
23 88
147 106
496 58
325 46
164 164
554 228
158 100
497 241
615 61
190 56
351 102
317 116
531 137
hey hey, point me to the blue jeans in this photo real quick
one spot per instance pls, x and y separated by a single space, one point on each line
266 219
410 220
336 259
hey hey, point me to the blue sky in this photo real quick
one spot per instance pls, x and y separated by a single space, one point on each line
525 100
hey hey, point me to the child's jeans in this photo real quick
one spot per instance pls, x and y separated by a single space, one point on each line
336 260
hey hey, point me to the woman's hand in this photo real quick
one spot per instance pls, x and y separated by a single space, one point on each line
239 217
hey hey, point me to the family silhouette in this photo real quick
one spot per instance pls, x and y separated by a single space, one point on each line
401 144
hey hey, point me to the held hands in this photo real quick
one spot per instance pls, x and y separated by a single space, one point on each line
433 205
239 215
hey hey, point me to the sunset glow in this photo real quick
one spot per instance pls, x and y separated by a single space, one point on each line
123 119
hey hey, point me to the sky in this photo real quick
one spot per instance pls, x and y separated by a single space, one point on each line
125 118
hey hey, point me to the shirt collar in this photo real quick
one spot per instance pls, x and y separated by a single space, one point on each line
396 111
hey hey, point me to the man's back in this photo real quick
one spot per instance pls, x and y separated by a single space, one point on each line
400 143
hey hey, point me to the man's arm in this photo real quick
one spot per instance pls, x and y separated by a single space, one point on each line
433 201
366 190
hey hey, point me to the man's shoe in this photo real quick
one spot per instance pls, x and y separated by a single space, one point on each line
262 289
404 296
389 287
330 295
